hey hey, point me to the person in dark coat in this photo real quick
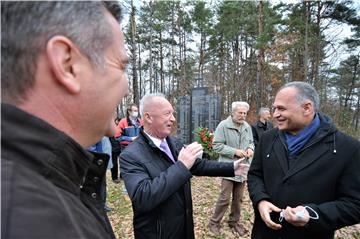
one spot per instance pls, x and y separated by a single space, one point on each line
115 152
262 125
58 59
157 169
304 179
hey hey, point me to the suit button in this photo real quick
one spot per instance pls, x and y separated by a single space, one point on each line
96 179
93 195
100 162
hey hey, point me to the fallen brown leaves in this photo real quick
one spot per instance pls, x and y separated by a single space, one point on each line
205 191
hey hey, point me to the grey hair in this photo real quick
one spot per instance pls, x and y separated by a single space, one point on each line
26 27
263 110
305 91
237 104
144 102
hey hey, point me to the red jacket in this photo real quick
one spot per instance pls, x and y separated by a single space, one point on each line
126 130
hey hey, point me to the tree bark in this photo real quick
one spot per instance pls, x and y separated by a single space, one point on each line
134 55
307 8
260 59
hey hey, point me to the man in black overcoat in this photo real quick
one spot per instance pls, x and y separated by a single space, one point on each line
304 180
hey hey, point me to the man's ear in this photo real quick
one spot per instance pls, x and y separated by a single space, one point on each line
62 55
147 117
308 107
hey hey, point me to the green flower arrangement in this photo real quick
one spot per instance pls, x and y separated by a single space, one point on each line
205 137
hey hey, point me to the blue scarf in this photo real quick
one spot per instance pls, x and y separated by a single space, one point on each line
296 142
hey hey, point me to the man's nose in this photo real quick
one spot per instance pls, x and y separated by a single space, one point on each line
276 113
172 118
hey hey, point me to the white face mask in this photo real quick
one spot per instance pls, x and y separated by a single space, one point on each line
135 114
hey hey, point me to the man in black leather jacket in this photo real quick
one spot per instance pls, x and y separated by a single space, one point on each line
58 59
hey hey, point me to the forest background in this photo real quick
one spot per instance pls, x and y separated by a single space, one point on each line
245 50
241 50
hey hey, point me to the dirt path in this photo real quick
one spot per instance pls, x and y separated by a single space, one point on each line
205 192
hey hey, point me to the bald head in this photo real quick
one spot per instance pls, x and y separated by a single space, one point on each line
157 114
148 101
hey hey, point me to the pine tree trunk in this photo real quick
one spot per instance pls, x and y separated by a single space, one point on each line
260 60
134 55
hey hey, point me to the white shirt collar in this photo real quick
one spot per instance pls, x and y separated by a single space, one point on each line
156 141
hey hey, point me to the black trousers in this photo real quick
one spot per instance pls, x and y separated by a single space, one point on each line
115 168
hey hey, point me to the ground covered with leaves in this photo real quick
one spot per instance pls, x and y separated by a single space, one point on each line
205 192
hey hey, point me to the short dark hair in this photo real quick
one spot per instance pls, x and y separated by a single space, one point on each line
129 109
305 91
26 27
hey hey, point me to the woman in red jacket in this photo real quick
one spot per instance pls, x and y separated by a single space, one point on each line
128 128
127 131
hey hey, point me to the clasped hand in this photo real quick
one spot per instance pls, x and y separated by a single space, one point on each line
248 153
297 216
265 208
